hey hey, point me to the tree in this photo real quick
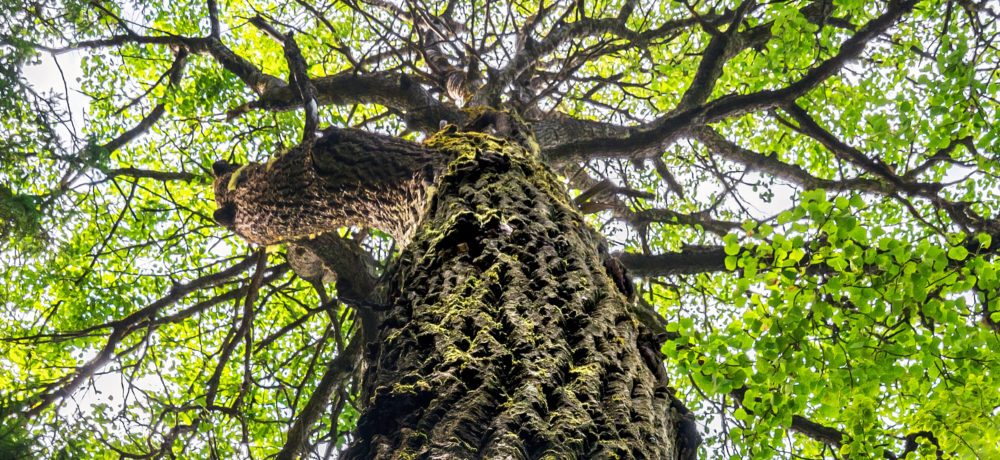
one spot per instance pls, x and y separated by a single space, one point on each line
315 227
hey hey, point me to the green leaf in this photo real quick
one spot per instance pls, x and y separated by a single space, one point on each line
985 240
731 263
958 252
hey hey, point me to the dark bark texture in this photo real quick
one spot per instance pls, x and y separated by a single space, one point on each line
504 335
504 329
344 177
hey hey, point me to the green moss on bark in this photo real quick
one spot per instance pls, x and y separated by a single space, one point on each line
506 338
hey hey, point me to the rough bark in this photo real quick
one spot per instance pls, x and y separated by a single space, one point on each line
345 177
505 337
506 331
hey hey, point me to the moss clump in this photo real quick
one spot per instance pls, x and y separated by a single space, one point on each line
411 389
234 179
502 307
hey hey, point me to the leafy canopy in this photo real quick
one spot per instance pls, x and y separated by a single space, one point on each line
806 191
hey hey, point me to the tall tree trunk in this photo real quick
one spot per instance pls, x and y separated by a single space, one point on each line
505 336
505 331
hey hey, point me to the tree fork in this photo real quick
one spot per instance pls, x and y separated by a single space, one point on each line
505 335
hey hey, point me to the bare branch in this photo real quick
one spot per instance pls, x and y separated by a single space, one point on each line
530 52
245 323
397 91
337 372
259 22
809 127
163 176
121 328
175 72
213 18
307 92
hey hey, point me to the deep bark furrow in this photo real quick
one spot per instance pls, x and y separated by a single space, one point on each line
506 338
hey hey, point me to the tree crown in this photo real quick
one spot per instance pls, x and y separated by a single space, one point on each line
805 192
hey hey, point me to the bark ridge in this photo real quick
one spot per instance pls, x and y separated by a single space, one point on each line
505 337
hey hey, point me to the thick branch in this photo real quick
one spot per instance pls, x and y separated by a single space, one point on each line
818 432
297 67
651 139
343 258
151 174
770 164
815 431
347 177
720 49
253 77
842 150
911 444
213 19
395 91
259 22
667 216
706 259
690 261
